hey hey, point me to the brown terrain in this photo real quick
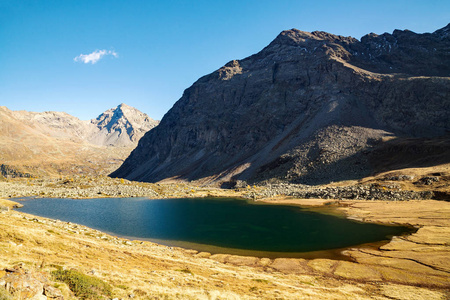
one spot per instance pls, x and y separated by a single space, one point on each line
58 144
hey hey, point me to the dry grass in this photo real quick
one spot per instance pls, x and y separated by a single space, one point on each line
149 271
4 295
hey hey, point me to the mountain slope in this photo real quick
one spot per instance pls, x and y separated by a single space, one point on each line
51 143
308 108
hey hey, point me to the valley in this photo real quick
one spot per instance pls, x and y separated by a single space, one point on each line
358 128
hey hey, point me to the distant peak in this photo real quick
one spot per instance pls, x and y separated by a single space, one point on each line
123 105
295 34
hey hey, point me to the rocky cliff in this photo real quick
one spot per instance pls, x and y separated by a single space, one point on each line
57 143
308 108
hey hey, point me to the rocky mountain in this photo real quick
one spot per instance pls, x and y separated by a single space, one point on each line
121 126
57 143
309 108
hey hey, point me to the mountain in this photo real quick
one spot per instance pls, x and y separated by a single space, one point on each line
51 143
121 126
309 108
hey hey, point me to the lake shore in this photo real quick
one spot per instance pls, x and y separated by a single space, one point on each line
404 268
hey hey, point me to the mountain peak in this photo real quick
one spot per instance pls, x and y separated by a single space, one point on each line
122 126
295 36
124 106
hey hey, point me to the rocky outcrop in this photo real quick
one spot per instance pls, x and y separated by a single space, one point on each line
7 171
308 108
23 284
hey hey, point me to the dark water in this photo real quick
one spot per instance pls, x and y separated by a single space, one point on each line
227 223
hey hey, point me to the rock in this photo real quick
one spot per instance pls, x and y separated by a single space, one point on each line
309 108
401 178
92 272
28 286
52 292
429 180
17 269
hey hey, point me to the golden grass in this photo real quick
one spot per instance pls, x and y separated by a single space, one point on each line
150 271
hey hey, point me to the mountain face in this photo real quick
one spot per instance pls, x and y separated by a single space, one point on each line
120 126
52 143
308 108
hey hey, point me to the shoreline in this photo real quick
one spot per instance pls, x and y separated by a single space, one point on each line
314 205
333 207
407 265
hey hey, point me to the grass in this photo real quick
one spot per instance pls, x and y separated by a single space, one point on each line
139 292
122 286
261 280
4 295
83 286
187 271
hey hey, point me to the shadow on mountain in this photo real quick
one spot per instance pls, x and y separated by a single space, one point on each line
398 153
401 153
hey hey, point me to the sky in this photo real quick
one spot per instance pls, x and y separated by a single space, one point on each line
84 57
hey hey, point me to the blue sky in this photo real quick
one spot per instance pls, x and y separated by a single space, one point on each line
150 51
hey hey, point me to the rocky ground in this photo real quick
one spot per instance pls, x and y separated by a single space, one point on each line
399 185
366 192
412 184
101 186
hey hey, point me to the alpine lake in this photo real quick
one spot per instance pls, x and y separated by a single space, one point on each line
219 225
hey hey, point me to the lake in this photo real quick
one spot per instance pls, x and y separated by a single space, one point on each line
215 224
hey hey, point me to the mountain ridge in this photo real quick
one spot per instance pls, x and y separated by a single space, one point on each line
43 143
308 108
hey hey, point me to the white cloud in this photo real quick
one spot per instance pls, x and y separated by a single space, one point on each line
94 56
